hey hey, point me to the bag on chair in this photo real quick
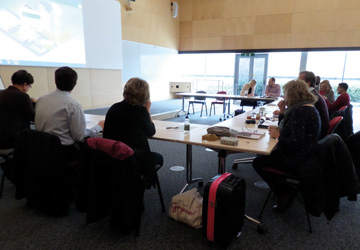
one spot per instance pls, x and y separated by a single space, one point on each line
187 208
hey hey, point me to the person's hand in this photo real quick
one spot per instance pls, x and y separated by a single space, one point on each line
101 123
33 99
281 106
148 105
276 112
324 97
274 132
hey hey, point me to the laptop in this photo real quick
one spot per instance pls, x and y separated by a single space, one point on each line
2 86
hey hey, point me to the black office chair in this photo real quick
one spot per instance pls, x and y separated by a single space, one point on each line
6 156
198 100
41 173
110 182
289 179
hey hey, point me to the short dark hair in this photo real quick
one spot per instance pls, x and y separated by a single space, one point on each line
309 77
318 80
21 77
272 79
65 78
344 86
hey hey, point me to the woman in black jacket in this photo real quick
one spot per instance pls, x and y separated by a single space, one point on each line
130 122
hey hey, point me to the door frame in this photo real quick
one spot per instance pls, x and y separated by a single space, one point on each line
252 57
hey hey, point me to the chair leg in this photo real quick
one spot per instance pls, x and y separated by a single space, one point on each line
202 105
160 196
308 220
2 184
266 201
193 108
188 109
205 108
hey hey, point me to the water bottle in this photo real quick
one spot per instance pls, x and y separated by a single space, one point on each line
187 124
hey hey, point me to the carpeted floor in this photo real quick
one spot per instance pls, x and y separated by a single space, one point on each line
23 228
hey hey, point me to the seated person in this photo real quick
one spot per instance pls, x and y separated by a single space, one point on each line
298 133
342 100
248 90
59 114
326 91
320 105
272 89
16 108
130 122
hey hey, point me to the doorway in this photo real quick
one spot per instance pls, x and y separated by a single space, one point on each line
250 66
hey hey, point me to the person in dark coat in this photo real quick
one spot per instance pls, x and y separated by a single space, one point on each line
320 104
16 108
297 133
130 122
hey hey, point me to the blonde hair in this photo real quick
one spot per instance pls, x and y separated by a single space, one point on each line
327 84
297 91
253 81
136 92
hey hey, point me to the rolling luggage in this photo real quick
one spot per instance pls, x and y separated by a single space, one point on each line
223 208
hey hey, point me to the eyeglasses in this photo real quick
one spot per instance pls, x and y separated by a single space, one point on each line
29 85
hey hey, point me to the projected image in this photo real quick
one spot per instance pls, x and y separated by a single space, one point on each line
41 31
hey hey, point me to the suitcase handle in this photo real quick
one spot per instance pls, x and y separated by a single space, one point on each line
211 206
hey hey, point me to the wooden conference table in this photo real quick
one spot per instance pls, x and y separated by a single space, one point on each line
173 132
224 97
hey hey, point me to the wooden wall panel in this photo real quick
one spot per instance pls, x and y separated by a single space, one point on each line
269 24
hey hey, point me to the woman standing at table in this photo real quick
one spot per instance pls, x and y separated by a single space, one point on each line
129 121
298 132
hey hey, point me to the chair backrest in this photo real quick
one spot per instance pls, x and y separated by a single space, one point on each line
349 120
200 98
334 123
41 172
220 93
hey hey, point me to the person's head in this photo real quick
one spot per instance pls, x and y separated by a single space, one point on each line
308 77
136 92
297 91
272 82
342 88
22 79
317 80
325 86
65 78
252 83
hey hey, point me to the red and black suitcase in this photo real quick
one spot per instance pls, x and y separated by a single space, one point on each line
223 208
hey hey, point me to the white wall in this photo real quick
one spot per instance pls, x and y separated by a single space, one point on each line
156 65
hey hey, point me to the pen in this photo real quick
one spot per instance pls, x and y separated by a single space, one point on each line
172 127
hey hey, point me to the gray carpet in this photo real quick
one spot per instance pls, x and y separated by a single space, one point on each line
23 228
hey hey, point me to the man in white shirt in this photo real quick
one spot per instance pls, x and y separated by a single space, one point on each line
59 114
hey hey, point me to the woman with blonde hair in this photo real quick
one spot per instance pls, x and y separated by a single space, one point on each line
326 91
248 88
297 133
129 121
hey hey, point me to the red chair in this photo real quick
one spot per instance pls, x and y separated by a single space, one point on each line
334 123
218 101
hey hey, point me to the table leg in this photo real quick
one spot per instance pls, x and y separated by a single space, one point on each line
222 161
182 108
189 179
